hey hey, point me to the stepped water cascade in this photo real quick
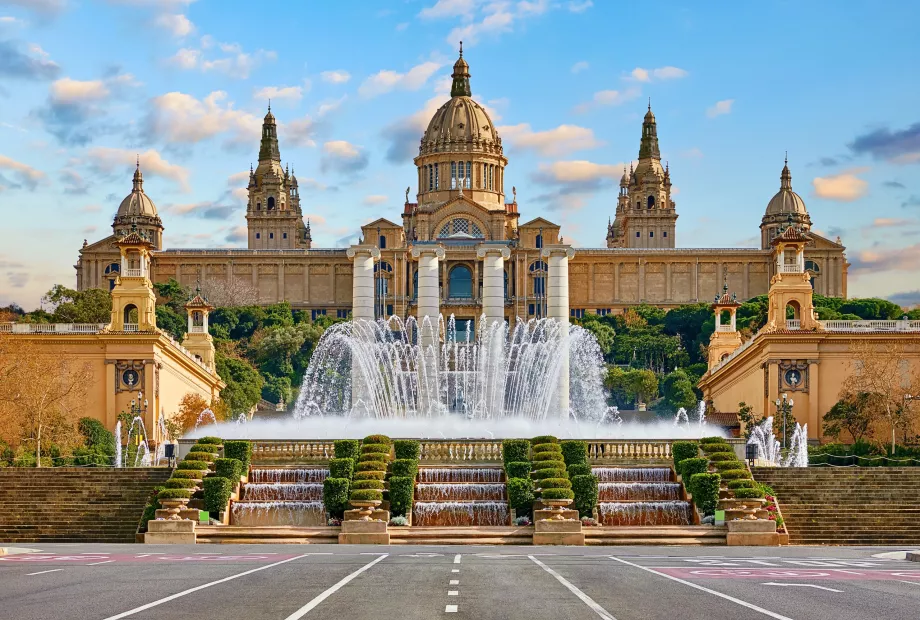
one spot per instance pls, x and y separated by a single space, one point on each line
460 496
281 496
640 496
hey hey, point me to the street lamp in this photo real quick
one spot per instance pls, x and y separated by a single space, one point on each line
783 407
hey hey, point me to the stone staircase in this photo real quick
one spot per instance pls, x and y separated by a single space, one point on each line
99 504
847 506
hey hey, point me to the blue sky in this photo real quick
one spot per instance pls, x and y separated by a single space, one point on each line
87 84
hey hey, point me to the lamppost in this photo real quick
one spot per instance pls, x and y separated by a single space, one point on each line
908 398
136 408
784 407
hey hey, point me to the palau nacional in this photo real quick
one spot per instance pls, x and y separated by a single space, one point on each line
461 249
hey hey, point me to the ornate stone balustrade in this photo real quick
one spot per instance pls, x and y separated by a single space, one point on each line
293 451
51 328
461 451
870 326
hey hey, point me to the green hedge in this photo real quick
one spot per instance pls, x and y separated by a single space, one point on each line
174 494
710 448
745 493
557 494
380 457
347 449
179 483
722 456
193 464
370 475
575 452
520 495
547 447
407 449
726 465
547 456
217 492
206 457
187 473
543 439
380 448
552 472
239 450
705 490
335 495
371 466
231 469
515 450
741 483
96 436
585 489
696 465
367 484
579 470
341 468
366 495
211 440
555 483
681 450
735 474
205 447
404 468
401 491
706 440
517 470
153 504
383 439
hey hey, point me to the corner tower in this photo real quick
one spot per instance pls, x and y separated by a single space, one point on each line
646 215
273 214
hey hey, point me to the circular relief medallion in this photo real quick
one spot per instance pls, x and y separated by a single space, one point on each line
130 377
793 377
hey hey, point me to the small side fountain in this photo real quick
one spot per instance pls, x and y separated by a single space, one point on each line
768 449
118 461
798 448
681 419
137 431
205 414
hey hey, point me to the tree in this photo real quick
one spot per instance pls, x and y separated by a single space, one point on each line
852 414
603 332
872 309
677 391
693 324
642 385
747 418
190 408
244 383
42 393
172 322
230 293
70 306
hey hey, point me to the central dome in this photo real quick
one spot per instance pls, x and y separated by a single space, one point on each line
786 201
137 203
461 124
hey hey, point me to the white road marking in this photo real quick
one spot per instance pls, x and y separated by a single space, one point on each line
766 612
587 600
799 585
98 563
454 582
450 609
455 570
453 593
303 611
172 597
913 583
457 558
54 570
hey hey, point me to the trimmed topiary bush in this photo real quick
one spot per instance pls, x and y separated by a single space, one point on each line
722 456
217 492
520 495
407 449
335 495
341 468
231 469
706 440
207 457
735 474
557 494
515 450
370 475
696 465
741 483
574 452
367 484
239 450
347 449
517 470
366 495
377 439
205 447
404 468
179 483
192 464
681 450
543 439
585 489
547 447
547 456
401 493
210 439
579 470
705 490
168 494
745 493
183 473
710 448
371 466
726 465
555 483
380 448
381 457
552 472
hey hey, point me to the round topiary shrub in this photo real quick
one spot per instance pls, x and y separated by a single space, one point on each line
517 470
735 474
381 448
552 472
401 492
726 465
404 468
410 449
367 484
520 495
382 457
192 464
182 473
335 495
347 449
574 452
579 469
741 483
206 447
555 483
557 494
746 493
210 439
709 448
380 466
179 483
547 447
722 456
543 439
380 439
207 457
705 440
169 494
366 495
548 456
370 475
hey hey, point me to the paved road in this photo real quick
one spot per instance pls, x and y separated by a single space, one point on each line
331 582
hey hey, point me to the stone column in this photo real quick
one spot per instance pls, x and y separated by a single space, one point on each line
557 302
428 302
493 281
362 312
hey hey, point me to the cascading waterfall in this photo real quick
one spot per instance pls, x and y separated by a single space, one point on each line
295 513
645 513
460 474
635 496
502 373
457 514
638 491
460 496
632 474
281 496
443 491
288 475
272 491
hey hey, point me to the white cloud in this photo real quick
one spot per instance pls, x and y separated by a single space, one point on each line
845 186
299 132
578 172
181 118
238 64
662 73
45 7
176 23
294 93
374 199
498 21
343 156
25 174
110 160
330 106
450 8
67 90
606 98
552 142
335 77
579 7
11 21
720 108
385 81
581 65
186 58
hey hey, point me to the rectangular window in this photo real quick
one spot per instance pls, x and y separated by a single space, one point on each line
469 174
665 234
453 175
437 181
341 314
577 313
317 312
651 234
637 234
604 311
430 178
530 309
258 235
271 235
284 236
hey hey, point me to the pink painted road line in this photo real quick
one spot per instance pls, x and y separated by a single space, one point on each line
33 558
829 574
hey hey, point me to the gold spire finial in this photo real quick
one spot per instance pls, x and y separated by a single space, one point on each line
461 49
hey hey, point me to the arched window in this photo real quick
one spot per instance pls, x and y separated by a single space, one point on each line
469 174
812 266
460 282
130 315
638 204
430 177
382 242
437 180
271 203
651 202
461 227
258 206
112 268
415 284
453 175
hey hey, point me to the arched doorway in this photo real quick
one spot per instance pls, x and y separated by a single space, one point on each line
460 282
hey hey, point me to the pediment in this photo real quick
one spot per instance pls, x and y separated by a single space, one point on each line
103 245
461 204
539 222
381 223
823 243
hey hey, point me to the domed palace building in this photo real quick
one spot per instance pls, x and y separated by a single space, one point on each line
462 228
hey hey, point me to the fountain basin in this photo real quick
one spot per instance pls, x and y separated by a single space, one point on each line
645 513
460 513
259 514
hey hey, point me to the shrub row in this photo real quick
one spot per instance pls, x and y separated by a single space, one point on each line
403 471
516 458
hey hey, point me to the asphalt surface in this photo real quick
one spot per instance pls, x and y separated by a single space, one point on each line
333 582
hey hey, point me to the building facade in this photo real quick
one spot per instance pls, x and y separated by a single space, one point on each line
461 205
